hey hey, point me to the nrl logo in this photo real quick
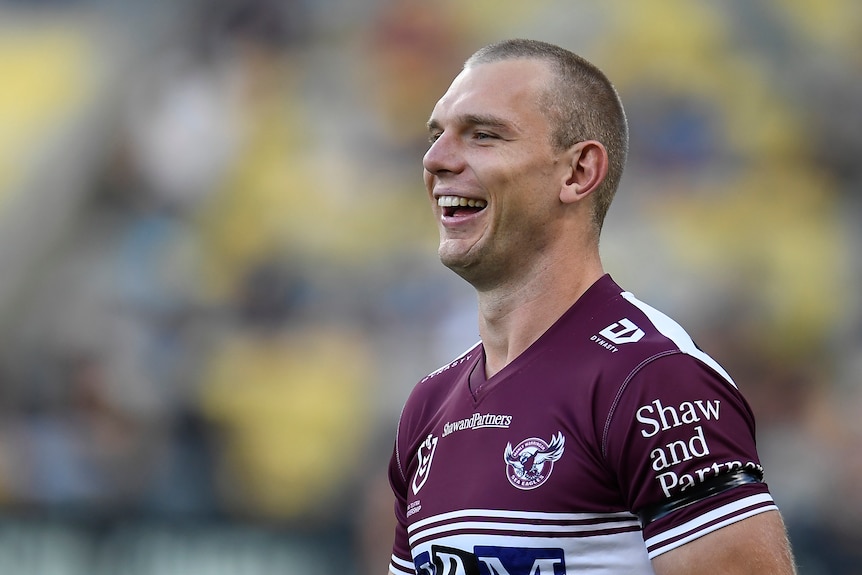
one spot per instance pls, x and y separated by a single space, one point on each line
425 455
530 463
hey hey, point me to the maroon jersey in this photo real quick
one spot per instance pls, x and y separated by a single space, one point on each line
610 440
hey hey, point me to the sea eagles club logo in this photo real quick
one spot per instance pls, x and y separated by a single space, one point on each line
530 463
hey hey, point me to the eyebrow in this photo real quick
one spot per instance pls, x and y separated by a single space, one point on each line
476 120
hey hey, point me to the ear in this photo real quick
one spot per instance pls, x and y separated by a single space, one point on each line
589 166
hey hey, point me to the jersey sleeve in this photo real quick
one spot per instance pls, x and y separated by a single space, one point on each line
680 441
401 562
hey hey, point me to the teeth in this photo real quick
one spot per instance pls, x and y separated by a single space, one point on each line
455 201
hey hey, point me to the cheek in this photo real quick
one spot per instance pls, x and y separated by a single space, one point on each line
531 202
428 179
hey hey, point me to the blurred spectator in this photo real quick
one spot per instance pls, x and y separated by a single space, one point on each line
405 37
83 452
290 403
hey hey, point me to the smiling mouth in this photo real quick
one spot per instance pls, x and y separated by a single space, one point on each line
458 206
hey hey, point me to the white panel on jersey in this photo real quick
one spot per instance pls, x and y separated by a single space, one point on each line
675 332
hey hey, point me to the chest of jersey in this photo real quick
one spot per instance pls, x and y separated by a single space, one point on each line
526 442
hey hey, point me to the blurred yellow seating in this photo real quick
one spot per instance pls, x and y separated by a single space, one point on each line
46 70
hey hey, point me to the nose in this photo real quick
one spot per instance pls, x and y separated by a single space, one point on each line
443 156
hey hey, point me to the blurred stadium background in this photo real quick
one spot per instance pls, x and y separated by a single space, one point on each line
218 278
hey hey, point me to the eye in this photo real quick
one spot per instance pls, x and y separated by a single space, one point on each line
484 136
434 136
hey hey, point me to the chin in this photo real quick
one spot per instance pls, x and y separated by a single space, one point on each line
468 269
454 263
458 263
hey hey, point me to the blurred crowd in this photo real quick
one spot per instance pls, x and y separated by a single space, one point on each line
218 275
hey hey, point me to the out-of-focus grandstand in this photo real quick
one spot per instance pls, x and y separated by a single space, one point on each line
218 275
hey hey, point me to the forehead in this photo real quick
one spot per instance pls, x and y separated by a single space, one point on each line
508 89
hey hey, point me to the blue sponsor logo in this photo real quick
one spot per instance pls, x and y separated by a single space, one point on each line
491 560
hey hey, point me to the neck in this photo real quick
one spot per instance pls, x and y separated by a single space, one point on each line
514 315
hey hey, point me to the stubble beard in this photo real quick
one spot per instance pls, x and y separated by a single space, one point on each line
470 267
479 267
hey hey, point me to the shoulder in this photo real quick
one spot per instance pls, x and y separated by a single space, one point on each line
644 335
632 352
441 380
667 332
619 333
452 369
432 390
633 329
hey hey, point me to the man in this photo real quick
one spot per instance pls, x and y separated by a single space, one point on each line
585 432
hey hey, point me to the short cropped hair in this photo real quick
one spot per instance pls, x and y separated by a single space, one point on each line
582 105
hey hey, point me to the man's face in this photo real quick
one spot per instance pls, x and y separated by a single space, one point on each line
491 172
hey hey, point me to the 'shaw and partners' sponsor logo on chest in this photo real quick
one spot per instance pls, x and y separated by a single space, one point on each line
656 418
477 421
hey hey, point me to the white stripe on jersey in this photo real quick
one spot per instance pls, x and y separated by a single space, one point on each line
700 526
677 334
401 567
526 516
555 524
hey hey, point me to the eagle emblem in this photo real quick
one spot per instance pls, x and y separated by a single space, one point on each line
530 463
